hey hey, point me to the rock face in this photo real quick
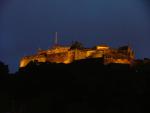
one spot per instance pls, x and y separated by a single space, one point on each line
62 54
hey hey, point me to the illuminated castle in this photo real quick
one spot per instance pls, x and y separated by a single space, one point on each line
67 54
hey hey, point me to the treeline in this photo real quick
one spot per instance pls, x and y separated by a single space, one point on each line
85 86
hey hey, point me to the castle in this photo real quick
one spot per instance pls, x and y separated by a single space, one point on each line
67 54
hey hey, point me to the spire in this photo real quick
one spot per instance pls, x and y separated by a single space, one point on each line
56 38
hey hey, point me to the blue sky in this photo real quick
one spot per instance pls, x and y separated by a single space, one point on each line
26 25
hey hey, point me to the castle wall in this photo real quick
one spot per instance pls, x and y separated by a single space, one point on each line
65 55
58 50
119 61
79 54
117 58
40 58
97 54
24 62
89 53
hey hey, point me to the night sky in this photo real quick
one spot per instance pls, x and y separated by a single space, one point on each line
26 25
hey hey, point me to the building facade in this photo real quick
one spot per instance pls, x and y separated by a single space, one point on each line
63 54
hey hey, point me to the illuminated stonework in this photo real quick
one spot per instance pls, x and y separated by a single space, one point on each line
62 54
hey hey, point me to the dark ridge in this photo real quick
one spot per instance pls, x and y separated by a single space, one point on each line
85 86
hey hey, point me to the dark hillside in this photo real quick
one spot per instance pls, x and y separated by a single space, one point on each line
85 86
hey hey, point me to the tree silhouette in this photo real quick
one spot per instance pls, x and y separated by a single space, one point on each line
3 69
77 45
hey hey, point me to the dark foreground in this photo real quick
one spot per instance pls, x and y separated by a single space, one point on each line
80 87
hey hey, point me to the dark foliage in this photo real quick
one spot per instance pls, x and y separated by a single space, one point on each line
4 94
85 86
77 45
